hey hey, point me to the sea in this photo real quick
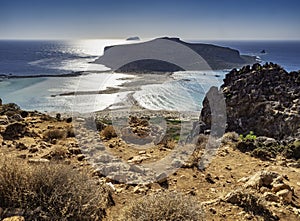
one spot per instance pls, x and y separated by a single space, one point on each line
36 61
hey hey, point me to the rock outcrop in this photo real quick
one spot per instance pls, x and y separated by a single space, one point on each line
171 54
262 99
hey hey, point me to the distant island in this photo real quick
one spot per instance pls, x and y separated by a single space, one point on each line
134 38
145 57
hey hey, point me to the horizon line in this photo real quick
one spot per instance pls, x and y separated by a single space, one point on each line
143 39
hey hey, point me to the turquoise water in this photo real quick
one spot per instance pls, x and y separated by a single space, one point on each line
185 92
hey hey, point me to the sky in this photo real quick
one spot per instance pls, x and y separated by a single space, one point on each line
188 19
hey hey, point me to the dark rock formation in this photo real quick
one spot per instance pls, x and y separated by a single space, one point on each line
263 99
171 54
14 131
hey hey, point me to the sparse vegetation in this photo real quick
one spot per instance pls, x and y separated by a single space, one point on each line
57 190
54 134
230 137
249 137
169 206
108 132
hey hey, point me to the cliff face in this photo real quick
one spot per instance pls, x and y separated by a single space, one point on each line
171 54
263 99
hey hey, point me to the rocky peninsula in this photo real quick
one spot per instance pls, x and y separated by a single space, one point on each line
179 55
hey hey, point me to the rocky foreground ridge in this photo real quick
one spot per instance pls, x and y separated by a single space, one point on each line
264 99
171 54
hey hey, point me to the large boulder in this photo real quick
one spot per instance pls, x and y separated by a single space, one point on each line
14 131
263 99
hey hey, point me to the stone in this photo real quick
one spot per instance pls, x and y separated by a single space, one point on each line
38 161
21 146
75 151
280 186
161 178
80 157
209 178
286 195
69 120
4 120
140 189
111 186
14 218
264 189
138 159
271 197
142 152
14 131
261 178
16 117
136 169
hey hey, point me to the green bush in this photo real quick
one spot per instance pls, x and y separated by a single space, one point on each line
168 206
248 137
59 191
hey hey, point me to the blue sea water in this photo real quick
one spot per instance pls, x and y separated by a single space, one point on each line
33 58
284 53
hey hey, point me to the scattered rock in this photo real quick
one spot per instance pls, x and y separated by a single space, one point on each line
280 186
14 218
80 157
69 120
262 178
286 195
209 178
251 203
142 152
38 161
161 178
21 146
271 197
75 151
140 189
4 120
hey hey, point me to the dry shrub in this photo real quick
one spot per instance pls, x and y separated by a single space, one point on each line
70 132
54 134
57 190
170 144
109 132
168 206
230 138
58 153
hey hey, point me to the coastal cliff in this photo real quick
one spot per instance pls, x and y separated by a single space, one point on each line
171 54
263 99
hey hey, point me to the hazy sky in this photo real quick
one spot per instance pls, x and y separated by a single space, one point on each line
189 19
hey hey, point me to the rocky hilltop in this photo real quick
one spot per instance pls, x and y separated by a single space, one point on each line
235 186
171 54
262 99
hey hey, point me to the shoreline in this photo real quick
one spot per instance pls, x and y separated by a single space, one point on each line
72 74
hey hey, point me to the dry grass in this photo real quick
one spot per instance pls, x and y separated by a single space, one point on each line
108 132
168 206
54 134
59 191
